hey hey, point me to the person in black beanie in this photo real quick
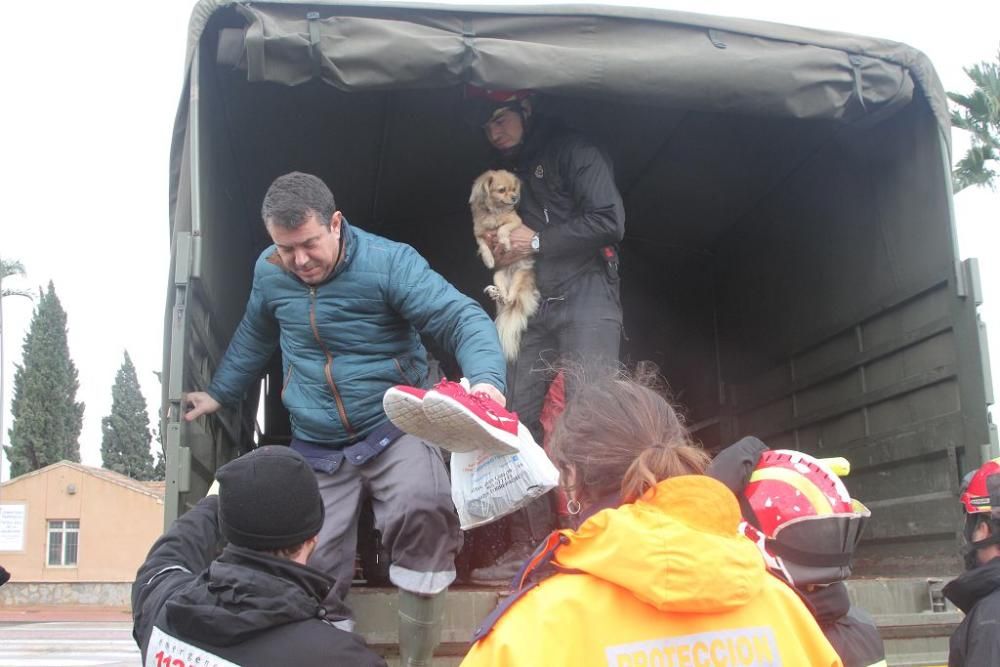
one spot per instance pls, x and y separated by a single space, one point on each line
256 603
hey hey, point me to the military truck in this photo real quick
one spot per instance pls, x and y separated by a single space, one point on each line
790 259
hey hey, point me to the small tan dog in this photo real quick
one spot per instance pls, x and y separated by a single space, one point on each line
494 197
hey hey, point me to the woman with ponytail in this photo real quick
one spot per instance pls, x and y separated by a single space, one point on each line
656 572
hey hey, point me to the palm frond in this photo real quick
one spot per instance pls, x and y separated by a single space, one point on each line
974 169
10 267
979 114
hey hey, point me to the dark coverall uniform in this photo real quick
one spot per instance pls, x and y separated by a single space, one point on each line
569 198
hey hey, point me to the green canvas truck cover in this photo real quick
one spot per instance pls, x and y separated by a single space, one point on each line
661 57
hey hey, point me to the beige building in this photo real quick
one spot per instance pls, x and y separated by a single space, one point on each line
69 522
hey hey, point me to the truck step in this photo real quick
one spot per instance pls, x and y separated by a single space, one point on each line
376 610
914 635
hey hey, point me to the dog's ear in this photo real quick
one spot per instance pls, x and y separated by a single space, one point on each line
481 188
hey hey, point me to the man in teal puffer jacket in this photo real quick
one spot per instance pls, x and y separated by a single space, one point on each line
347 308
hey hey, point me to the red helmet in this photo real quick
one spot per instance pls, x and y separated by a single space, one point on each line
976 496
788 485
981 500
481 105
802 517
496 96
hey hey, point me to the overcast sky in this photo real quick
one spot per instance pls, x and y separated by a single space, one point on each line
89 100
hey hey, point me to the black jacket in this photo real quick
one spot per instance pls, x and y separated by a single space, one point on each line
570 199
246 607
850 630
976 641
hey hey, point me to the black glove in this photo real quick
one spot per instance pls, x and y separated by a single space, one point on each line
734 464
733 467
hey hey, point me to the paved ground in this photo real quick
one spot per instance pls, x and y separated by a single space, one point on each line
35 614
66 637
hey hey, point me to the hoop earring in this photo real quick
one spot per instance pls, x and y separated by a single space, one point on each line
573 506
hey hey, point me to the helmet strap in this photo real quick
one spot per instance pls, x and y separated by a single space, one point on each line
971 547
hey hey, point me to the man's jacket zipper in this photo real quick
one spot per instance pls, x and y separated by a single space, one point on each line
328 368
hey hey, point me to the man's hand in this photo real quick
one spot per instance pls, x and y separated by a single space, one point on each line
490 391
520 246
201 404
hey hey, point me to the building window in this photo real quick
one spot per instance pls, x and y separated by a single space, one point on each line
64 538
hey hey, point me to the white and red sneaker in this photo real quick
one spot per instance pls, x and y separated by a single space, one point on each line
474 420
403 406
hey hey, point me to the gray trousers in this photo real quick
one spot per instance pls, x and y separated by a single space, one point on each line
411 500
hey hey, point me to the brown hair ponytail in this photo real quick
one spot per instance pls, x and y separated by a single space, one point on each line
622 436
658 463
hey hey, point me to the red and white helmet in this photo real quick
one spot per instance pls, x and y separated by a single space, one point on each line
976 495
802 517
981 501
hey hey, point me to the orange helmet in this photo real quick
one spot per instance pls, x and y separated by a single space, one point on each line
801 516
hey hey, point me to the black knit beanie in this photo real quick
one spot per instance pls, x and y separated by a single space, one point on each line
269 499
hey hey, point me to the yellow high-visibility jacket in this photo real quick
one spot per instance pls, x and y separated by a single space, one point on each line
666 581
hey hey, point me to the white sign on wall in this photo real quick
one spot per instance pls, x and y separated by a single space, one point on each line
12 526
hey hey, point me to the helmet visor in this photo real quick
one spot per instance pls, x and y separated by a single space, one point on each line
818 549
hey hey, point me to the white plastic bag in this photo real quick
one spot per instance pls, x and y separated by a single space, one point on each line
486 487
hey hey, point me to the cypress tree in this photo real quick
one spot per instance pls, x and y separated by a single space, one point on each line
160 469
47 418
125 432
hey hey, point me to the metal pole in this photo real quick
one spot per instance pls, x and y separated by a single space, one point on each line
3 405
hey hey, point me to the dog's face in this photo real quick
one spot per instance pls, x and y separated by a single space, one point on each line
497 191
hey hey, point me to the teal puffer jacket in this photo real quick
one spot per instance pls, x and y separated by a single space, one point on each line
347 340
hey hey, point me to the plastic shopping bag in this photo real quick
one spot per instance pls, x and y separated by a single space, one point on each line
486 487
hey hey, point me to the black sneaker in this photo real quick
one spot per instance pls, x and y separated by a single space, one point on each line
505 569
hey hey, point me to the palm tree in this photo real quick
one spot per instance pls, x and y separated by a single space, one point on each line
979 114
8 268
